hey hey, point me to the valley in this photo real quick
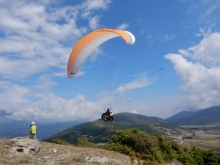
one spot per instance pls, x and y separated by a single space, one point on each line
203 136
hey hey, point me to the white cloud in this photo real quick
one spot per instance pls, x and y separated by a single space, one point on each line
199 70
61 74
134 111
94 22
150 40
39 36
89 6
24 102
10 92
35 100
140 82
123 26
12 96
44 83
207 11
96 4
64 110
207 51
169 37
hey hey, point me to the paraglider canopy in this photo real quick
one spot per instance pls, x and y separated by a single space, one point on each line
88 43
160 69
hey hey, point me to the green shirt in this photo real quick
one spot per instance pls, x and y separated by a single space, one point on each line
33 129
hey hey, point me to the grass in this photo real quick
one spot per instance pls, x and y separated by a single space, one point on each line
213 133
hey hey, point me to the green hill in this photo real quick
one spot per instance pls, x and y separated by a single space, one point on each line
100 132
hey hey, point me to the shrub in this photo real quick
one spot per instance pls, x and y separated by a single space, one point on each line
206 157
169 149
83 142
59 141
139 144
133 142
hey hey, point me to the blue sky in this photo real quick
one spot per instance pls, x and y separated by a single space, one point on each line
180 36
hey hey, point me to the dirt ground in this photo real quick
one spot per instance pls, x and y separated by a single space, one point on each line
67 155
64 155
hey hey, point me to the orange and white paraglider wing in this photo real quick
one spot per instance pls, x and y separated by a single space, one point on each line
89 42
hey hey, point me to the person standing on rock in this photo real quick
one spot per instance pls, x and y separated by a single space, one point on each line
33 130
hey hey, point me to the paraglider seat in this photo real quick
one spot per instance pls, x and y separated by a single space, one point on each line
107 118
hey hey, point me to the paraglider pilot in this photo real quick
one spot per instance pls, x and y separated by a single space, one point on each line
108 113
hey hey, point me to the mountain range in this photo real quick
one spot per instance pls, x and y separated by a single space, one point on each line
13 128
72 130
209 115
3 115
101 132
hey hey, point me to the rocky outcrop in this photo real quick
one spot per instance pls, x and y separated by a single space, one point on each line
24 145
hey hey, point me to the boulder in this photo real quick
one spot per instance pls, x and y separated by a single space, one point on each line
97 159
24 145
